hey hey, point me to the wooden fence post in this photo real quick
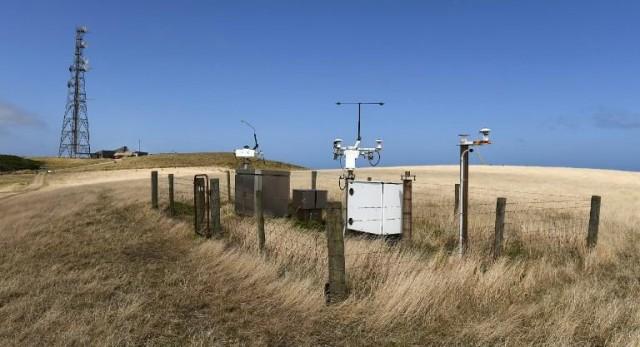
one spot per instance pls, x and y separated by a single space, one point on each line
259 211
172 206
200 215
407 208
456 198
499 228
336 289
594 222
228 186
314 179
214 205
154 189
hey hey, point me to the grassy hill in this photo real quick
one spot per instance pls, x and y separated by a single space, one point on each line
221 159
94 264
10 163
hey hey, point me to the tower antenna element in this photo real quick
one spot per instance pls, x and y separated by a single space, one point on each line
74 137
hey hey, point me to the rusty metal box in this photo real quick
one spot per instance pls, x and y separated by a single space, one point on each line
275 187
307 199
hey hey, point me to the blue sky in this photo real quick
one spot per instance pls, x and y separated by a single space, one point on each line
557 81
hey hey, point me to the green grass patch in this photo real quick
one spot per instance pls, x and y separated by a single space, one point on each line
9 163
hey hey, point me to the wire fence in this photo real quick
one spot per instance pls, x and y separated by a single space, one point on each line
533 219
535 222
183 188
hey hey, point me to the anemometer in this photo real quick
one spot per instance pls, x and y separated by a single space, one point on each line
247 152
352 153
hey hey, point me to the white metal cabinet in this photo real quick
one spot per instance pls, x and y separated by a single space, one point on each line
375 207
392 211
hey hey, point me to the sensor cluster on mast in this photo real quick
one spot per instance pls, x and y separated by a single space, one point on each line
247 152
352 153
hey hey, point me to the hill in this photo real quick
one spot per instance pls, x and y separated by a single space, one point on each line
163 160
99 266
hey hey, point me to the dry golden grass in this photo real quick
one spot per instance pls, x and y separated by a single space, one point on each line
55 163
94 265
162 160
15 181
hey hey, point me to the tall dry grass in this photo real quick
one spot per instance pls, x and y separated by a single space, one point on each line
546 290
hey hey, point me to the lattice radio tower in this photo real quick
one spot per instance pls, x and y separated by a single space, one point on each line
74 138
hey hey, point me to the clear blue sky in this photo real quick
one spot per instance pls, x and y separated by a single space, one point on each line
557 81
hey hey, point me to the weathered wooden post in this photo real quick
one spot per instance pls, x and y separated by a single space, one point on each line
172 206
214 205
228 186
594 222
499 228
336 289
456 198
260 220
314 179
154 189
407 208
199 206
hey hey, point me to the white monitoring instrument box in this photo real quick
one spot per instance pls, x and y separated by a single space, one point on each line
245 153
375 207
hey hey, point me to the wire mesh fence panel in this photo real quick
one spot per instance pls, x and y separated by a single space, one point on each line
535 221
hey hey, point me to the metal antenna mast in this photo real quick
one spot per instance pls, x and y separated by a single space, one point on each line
74 138
359 106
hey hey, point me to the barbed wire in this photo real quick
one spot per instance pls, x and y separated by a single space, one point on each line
433 184
533 202
375 220
526 192
576 207
366 253
377 264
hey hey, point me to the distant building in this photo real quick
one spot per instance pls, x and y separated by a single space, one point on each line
103 154
118 153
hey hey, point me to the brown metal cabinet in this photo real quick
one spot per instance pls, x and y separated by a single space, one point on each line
275 187
308 204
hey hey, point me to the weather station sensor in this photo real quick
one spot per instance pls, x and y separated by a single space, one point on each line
466 147
373 207
275 185
484 140
350 154
247 153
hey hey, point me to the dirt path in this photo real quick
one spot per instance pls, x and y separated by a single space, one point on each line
39 181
